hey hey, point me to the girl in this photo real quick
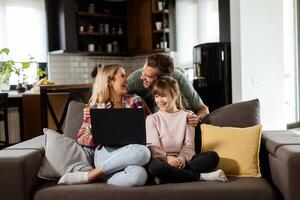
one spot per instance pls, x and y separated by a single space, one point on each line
171 141
123 165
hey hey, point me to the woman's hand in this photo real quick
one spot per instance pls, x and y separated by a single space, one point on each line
173 161
193 119
86 113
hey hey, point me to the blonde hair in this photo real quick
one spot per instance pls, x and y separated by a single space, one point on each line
101 92
168 85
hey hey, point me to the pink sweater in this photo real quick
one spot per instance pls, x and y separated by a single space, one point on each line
169 134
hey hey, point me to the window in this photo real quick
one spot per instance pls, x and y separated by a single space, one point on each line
197 21
23 31
290 61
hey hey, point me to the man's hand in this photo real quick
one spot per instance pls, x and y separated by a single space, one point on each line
193 119
173 161
203 111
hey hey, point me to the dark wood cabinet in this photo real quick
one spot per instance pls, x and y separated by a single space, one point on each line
110 28
140 26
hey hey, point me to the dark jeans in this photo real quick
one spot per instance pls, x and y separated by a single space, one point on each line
200 163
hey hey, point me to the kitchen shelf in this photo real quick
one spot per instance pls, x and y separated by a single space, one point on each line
160 11
81 13
166 30
101 34
161 14
161 50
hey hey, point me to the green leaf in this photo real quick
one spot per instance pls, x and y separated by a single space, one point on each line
41 73
25 65
4 50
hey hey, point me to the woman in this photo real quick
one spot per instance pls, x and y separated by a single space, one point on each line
121 166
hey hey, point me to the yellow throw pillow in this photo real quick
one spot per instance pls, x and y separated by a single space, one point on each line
238 148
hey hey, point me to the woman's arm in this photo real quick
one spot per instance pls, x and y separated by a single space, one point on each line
153 141
84 135
138 102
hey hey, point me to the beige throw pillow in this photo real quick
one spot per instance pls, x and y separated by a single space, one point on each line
62 155
238 148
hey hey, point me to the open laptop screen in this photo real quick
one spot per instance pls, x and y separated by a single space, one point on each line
118 126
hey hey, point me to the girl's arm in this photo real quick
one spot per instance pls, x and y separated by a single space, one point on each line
153 141
188 147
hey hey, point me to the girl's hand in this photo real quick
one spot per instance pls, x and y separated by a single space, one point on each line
193 119
182 163
173 161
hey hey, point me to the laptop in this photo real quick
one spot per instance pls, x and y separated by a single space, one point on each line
118 126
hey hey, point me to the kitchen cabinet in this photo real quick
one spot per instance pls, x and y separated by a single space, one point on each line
140 26
102 27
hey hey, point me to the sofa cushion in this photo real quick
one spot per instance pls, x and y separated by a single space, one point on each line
241 114
238 148
62 155
234 189
73 119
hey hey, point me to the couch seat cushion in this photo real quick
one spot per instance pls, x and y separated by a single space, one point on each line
235 188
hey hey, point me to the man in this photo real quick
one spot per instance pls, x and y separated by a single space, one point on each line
141 81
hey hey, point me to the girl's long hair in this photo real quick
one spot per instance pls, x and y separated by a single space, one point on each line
168 85
101 93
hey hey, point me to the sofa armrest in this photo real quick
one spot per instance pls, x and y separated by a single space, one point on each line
283 149
19 166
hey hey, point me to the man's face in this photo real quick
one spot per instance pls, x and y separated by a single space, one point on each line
149 76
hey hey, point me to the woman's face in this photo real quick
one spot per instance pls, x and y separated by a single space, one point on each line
165 102
119 83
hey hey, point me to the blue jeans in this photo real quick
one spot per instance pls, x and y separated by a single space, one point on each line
127 161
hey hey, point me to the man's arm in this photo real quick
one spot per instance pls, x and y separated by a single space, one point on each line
191 98
203 111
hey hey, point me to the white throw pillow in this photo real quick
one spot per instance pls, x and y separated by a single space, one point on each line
63 155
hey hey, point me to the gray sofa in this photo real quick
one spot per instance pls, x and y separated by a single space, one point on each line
280 167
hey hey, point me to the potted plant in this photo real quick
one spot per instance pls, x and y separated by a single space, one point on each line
8 66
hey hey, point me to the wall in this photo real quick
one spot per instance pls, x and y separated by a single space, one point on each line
71 69
257 57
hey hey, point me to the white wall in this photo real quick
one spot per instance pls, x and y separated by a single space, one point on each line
257 57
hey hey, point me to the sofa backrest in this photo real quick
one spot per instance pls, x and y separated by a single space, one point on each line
73 119
241 114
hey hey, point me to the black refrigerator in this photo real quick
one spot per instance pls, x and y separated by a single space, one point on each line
212 73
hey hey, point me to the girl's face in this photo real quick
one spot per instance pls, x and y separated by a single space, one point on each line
166 102
119 82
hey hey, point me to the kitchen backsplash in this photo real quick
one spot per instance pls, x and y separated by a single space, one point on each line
72 69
